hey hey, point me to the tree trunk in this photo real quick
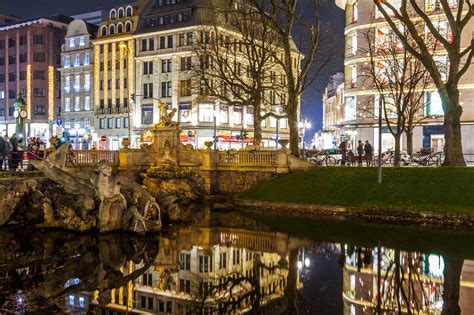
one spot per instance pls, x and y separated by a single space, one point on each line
452 277
396 157
452 122
409 135
293 125
257 125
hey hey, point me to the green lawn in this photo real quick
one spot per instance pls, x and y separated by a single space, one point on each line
437 189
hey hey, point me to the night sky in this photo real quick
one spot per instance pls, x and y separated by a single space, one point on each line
312 99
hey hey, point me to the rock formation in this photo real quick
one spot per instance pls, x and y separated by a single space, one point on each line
97 199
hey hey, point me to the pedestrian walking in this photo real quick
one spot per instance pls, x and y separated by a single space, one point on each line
368 152
14 142
343 148
2 152
360 152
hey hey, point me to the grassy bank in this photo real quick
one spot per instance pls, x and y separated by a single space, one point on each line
431 189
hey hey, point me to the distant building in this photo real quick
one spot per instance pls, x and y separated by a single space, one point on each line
4 19
333 112
77 110
30 55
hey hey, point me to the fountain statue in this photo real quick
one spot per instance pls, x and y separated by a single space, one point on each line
114 212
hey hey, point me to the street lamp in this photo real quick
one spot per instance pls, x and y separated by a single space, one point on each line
305 124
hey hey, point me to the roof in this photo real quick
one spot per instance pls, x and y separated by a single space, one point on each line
34 20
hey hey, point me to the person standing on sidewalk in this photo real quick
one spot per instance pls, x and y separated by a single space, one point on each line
368 152
343 148
360 153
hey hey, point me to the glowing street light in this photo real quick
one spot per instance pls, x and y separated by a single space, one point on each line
303 125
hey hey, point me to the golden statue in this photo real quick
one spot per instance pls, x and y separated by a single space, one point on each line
166 118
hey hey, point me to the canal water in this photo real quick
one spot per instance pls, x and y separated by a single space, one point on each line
229 263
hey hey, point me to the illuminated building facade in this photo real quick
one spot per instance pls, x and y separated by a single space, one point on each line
333 112
164 63
114 74
30 56
361 100
77 85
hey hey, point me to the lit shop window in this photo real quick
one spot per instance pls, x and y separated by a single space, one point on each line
354 76
223 114
433 104
237 115
385 39
389 105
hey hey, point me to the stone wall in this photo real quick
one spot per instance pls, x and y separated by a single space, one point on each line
232 182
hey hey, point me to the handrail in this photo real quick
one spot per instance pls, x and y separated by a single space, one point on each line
247 158
92 158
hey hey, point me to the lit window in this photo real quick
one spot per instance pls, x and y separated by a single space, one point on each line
433 104
77 60
350 108
77 83
77 105
237 115
87 103
87 59
206 113
67 61
82 41
67 84
72 43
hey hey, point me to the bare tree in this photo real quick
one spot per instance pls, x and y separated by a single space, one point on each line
400 80
237 65
289 17
450 39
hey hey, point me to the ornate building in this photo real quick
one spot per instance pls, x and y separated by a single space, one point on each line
359 98
78 84
333 112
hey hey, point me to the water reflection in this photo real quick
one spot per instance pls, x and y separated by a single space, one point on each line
225 263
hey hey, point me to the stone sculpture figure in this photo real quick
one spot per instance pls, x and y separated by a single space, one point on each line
113 212
166 118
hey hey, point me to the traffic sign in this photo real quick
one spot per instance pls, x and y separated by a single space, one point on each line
59 122
103 138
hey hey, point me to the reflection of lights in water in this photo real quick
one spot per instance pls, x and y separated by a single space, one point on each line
307 263
300 265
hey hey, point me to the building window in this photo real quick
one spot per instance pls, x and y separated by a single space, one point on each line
166 89
144 44
170 41
223 260
11 94
67 61
102 123
162 42
148 90
2 95
39 92
128 26
2 44
433 104
39 57
72 43
148 67
350 108
206 113
87 82
11 111
185 63
11 77
237 115
11 60
166 66
125 122
129 11
118 122
151 44
40 110
67 104
11 42
185 87
181 40
87 103
147 115
189 40
87 123
110 123
87 59
22 40
205 264
184 262
184 286
2 78
77 105
38 75
38 39
22 75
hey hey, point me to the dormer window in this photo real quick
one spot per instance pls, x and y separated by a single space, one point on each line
129 11
112 29
113 14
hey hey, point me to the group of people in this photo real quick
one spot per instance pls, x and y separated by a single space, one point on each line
35 150
365 152
10 154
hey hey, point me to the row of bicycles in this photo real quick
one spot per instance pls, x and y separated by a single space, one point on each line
333 157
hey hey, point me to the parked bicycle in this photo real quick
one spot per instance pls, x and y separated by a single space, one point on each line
323 158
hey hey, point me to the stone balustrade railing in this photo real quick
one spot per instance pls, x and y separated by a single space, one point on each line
91 158
247 158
